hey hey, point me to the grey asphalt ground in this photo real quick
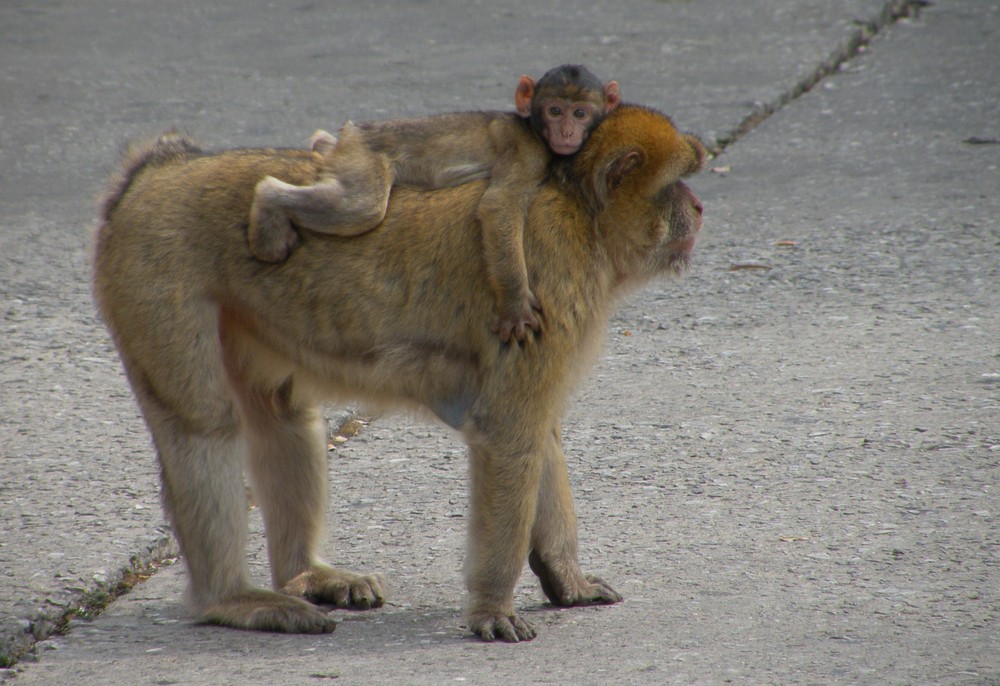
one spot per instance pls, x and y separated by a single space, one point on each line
787 462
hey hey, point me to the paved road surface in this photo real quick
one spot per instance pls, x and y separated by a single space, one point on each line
790 471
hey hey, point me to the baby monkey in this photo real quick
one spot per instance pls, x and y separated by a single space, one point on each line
512 150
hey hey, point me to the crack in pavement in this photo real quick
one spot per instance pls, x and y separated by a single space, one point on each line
892 12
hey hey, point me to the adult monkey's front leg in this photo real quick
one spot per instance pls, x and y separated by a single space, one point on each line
553 557
504 494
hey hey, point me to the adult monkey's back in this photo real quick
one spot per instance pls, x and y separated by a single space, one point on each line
228 357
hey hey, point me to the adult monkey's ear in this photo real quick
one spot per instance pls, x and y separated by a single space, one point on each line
523 95
622 167
700 155
609 176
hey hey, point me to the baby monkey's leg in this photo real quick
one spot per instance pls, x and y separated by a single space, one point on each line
349 199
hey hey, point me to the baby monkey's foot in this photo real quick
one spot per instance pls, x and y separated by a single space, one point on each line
322 141
270 232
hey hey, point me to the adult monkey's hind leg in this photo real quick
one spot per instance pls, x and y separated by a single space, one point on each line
201 454
286 459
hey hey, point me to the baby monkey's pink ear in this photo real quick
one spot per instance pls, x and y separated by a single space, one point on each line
523 95
612 96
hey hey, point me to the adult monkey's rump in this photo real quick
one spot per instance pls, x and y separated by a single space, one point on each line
228 357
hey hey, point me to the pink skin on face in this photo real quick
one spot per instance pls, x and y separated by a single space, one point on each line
683 247
566 124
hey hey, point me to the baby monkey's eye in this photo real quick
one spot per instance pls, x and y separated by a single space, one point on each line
555 111
581 113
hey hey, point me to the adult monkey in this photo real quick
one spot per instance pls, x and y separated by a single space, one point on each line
227 356
360 169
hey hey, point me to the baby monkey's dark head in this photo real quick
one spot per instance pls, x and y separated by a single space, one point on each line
565 105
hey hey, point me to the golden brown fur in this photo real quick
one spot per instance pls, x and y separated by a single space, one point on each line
440 151
361 168
228 356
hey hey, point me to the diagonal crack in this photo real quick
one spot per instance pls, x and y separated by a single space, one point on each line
87 604
891 12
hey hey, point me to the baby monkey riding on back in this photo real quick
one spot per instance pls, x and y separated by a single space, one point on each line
555 115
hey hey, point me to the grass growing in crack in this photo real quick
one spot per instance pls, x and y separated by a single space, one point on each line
93 603
89 604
